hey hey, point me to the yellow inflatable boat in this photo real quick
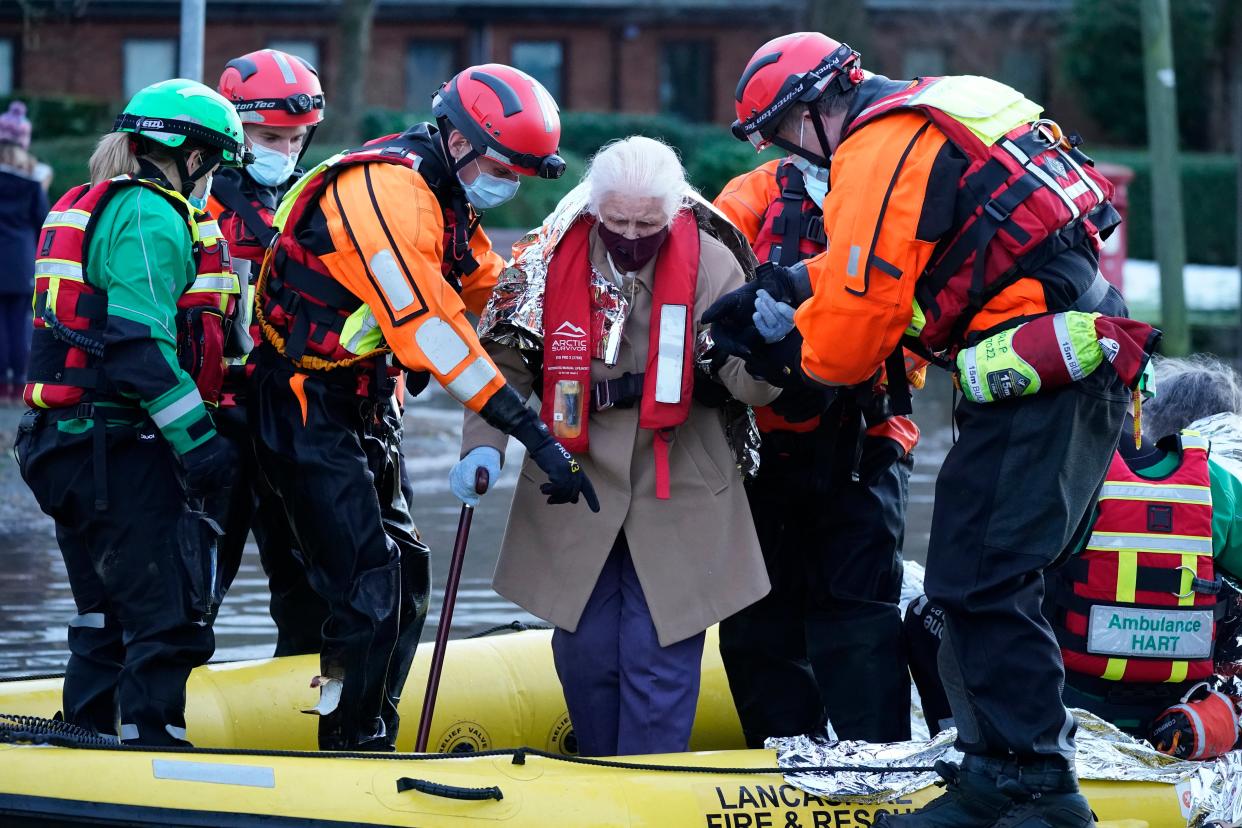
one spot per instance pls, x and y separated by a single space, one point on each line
254 764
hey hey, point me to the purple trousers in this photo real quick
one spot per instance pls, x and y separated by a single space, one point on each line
626 694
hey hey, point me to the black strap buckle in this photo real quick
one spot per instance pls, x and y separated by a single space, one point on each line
997 212
602 391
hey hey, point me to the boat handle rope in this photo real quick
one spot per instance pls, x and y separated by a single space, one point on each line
405 783
19 729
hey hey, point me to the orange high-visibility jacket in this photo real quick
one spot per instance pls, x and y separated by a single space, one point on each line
879 203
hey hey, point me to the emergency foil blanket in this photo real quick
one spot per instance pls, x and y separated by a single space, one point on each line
1209 792
514 313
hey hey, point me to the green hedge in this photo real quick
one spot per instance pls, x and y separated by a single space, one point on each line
1209 205
711 157
63 117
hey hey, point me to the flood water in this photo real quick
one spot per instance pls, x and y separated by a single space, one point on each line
35 601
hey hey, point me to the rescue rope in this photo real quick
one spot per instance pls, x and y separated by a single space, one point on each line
16 729
512 626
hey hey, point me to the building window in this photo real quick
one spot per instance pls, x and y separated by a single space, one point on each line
925 62
148 61
307 50
7 65
1022 67
686 79
543 60
428 63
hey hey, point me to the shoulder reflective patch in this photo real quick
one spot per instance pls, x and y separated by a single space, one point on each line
472 380
89 620
392 281
442 345
250 776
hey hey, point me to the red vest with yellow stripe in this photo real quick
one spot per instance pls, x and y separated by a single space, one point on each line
70 314
1140 602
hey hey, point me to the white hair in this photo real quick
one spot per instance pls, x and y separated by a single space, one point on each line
1188 390
637 166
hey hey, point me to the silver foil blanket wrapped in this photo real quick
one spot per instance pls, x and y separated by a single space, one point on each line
1210 792
514 314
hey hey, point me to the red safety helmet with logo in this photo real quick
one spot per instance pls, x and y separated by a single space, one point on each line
273 88
506 115
803 67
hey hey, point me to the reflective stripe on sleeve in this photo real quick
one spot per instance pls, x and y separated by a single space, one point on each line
472 380
443 346
177 408
88 620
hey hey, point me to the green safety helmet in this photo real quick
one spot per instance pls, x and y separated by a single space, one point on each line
171 111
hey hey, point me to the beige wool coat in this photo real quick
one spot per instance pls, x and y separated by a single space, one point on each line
696 554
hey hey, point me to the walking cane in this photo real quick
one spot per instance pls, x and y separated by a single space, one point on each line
446 613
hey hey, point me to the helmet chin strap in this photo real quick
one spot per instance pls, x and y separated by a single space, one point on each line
456 164
190 180
797 149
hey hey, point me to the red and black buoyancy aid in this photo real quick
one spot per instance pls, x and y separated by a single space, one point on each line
1141 602
793 224
1022 201
302 310
70 314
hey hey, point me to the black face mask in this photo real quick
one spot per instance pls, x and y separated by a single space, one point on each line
631 254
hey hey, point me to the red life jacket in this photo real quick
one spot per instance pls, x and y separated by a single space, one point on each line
793 224
302 309
668 380
70 314
1022 201
1140 603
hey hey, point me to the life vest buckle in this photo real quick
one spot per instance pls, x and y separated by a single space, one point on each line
996 211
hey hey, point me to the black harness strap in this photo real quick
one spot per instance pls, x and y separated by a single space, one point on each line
230 195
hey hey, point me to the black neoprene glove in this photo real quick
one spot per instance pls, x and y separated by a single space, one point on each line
209 467
566 480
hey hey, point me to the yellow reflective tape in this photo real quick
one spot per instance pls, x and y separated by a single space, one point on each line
1115 670
1127 576
58 268
1177 674
1139 541
215 283
209 229
36 394
53 293
1186 595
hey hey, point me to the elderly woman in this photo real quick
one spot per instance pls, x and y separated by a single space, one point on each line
632 589
1203 394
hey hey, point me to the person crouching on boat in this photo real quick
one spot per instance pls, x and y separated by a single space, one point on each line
118 448
673 549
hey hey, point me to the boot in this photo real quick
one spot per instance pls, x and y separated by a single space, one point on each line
1044 794
971 801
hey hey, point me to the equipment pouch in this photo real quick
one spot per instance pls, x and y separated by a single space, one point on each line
197 535
200 349
1051 351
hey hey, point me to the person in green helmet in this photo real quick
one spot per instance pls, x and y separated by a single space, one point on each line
132 288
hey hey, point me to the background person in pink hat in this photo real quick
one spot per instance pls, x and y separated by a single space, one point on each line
23 206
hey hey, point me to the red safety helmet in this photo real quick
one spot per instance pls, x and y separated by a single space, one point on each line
506 115
273 88
795 68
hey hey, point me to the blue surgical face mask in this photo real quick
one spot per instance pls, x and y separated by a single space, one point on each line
271 168
199 202
814 178
487 191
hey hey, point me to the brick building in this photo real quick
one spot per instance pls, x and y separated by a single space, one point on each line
619 55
